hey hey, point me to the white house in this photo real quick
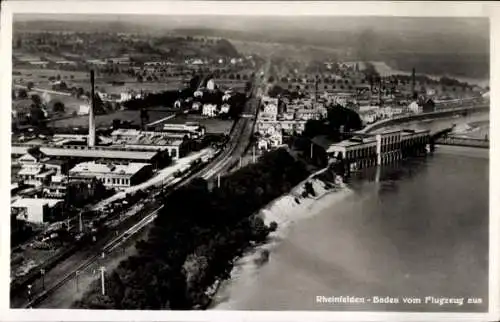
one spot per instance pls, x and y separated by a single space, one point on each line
34 171
414 108
225 108
196 106
125 96
211 85
272 139
209 110
276 139
226 97
35 210
263 144
368 117
112 175
270 111
84 109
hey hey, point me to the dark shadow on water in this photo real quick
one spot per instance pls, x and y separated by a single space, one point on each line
388 175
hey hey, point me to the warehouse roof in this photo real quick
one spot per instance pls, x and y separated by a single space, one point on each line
91 153
94 167
35 202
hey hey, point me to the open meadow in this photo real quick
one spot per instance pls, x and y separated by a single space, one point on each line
106 120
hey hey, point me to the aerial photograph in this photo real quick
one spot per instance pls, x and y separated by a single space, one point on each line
257 163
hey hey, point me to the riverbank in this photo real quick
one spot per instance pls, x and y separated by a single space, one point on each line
285 211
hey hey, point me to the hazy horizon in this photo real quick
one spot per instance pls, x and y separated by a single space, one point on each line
448 44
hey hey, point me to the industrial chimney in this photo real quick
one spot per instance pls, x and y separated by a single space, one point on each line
91 138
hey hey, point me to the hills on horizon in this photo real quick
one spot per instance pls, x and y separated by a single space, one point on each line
464 40
442 35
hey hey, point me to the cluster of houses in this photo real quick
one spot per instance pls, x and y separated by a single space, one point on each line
285 116
211 109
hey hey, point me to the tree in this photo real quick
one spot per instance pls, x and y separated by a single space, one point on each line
314 128
79 91
22 93
139 78
58 107
248 86
58 77
37 101
30 85
271 79
36 115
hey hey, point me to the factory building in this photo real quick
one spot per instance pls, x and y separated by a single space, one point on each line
111 174
366 150
36 210
174 146
111 153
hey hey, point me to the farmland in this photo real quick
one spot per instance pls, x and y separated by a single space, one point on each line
106 120
40 79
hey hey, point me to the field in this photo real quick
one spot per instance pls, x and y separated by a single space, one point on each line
41 75
212 125
107 119
40 78
236 85
71 104
145 86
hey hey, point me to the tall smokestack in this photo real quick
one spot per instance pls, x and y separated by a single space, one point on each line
91 138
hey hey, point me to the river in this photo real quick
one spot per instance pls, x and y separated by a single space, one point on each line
418 228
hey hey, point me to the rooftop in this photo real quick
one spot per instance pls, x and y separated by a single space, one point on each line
35 202
85 152
93 167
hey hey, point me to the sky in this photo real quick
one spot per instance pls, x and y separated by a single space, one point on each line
478 26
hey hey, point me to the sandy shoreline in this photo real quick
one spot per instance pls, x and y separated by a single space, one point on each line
285 211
